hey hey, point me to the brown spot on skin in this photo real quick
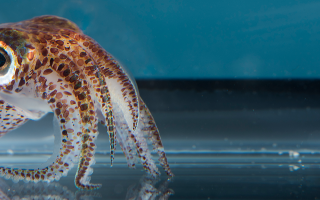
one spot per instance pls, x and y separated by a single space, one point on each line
53 93
64 132
42 79
54 50
51 61
66 114
48 37
30 55
91 149
77 37
104 90
59 95
86 44
80 62
72 64
22 82
57 111
85 119
60 47
72 102
38 64
70 130
82 96
61 66
77 85
45 60
73 54
47 71
59 42
54 66
44 95
73 78
19 60
52 87
17 73
62 56
66 72
59 105
44 52
87 61
36 176
100 53
67 93
25 68
84 107
83 54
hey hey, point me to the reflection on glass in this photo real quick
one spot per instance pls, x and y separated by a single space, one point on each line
144 189
42 190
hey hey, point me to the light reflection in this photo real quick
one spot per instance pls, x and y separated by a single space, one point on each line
42 190
144 189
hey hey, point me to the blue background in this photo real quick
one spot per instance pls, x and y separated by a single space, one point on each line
195 39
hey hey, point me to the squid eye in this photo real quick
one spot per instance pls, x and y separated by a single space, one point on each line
4 62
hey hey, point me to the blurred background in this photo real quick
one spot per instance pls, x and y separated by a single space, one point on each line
232 84
197 40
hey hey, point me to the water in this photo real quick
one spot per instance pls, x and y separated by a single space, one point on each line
247 145
215 182
233 87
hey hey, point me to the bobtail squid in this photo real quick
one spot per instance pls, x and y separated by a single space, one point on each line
48 65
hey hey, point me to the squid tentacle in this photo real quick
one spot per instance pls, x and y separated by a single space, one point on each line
150 128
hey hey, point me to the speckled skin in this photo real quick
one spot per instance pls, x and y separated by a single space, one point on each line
56 68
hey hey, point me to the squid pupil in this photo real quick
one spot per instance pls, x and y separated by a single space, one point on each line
2 60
